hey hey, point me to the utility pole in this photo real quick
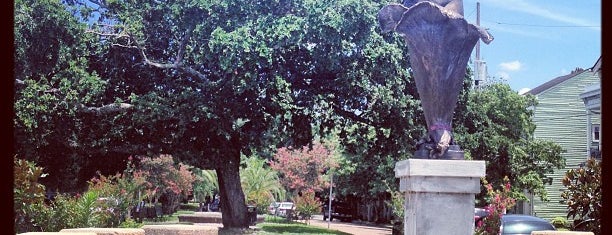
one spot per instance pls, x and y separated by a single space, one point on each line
478 24
329 209
480 67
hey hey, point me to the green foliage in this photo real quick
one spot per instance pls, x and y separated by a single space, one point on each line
294 228
260 184
121 190
72 212
33 214
397 204
53 85
499 201
583 195
130 223
560 223
205 184
496 126
307 205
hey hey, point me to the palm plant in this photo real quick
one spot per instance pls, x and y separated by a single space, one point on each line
260 183
206 184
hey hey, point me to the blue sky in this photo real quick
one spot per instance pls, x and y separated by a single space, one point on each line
537 40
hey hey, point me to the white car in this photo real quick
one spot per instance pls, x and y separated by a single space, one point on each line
282 208
272 208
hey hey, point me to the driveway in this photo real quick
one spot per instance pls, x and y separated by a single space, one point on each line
352 228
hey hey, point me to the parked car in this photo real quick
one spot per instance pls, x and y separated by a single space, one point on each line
339 211
272 208
515 224
283 208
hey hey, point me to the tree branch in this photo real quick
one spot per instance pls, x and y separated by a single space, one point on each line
105 109
178 64
352 116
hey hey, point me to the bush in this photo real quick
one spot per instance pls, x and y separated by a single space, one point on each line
560 223
73 212
28 195
499 202
307 205
130 223
583 196
189 207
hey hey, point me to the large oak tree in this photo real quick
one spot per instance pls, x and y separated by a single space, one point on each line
206 81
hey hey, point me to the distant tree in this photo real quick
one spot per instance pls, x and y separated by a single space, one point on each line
303 170
496 126
166 179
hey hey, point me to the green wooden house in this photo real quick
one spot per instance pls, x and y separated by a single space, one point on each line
567 113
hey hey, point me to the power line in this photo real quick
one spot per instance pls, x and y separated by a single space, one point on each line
552 26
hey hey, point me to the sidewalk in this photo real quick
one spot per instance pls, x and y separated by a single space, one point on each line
352 228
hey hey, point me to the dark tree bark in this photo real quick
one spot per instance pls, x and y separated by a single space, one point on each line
233 207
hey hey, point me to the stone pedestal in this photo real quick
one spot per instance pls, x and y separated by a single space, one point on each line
439 195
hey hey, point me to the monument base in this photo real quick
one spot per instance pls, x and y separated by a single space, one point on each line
453 153
439 195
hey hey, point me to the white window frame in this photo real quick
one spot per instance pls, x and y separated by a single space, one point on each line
595 132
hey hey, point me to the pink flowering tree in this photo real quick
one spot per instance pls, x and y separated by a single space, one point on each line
499 202
166 179
302 170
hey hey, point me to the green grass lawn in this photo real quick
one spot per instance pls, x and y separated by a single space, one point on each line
272 225
269 228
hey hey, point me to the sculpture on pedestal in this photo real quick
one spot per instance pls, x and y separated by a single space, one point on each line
440 42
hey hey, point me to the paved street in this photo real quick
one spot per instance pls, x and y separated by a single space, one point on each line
352 228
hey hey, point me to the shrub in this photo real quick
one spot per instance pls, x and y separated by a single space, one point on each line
28 195
307 205
560 223
396 203
130 223
120 191
499 202
583 196
73 212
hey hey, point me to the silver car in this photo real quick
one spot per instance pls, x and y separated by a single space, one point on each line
283 207
515 224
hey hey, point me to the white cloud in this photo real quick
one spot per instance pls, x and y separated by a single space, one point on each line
503 75
523 90
511 66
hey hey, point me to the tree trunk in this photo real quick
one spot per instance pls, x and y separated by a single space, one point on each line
233 207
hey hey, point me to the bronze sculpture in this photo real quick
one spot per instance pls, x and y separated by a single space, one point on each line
440 42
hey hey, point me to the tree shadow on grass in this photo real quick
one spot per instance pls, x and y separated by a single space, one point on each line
296 228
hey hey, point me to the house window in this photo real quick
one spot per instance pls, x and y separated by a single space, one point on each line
595 133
